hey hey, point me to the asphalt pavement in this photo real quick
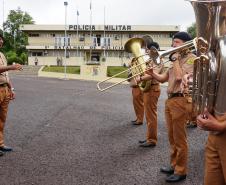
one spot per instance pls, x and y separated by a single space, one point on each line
65 132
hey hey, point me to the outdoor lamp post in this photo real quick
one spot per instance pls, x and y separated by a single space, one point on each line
65 41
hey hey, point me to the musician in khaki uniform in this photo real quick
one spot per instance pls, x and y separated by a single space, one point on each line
138 95
6 94
138 103
215 156
176 109
151 97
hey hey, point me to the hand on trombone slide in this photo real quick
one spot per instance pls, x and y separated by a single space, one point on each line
147 76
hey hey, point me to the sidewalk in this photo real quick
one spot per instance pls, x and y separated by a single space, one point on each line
80 77
77 76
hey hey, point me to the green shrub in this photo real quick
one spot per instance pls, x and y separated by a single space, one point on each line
112 70
60 69
15 59
11 54
24 57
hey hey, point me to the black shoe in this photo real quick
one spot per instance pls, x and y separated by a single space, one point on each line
134 121
5 149
168 170
137 123
146 144
1 153
175 178
142 141
191 125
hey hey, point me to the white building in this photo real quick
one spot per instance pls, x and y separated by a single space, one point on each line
86 44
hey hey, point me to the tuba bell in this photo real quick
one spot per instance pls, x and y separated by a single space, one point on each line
209 76
138 65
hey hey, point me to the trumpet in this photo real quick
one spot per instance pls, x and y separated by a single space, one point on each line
155 57
189 46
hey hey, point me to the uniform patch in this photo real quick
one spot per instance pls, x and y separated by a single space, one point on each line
190 61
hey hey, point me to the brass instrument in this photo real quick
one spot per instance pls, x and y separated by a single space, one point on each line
209 76
134 45
187 46
139 65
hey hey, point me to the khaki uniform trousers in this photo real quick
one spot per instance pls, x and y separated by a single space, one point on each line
192 113
150 108
215 160
176 113
4 102
138 104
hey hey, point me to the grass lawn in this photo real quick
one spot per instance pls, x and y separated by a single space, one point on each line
60 69
112 70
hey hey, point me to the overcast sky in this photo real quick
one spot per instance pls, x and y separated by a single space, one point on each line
126 12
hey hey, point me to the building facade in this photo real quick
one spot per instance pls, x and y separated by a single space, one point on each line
89 44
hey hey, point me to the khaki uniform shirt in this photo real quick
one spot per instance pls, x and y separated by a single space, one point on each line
186 63
4 78
157 69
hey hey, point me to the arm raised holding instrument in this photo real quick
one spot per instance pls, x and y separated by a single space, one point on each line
159 77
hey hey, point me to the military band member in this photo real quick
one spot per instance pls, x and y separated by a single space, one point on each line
151 97
6 94
138 103
177 108
215 152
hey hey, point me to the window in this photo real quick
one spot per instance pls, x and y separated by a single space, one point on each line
117 37
37 54
67 41
81 38
94 41
106 41
33 35
62 41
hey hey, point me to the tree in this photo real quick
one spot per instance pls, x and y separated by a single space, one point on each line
192 30
16 40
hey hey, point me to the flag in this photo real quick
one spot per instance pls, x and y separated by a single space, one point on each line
77 13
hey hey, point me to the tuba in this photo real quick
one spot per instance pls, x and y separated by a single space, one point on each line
138 65
209 75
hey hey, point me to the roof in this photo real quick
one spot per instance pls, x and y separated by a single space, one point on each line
110 28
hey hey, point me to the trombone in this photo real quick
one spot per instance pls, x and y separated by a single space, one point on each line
127 79
155 57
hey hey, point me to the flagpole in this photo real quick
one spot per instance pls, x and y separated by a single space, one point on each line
77 31
90 30
104 32
66 41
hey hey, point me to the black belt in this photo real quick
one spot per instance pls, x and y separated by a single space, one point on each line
172 95
4 85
